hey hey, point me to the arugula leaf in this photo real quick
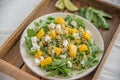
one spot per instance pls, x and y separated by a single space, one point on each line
79 21
89 14
58 62
53 73
42 23
96 21
104 24
44 49
67 71
36 24
69 36
31 52
58 66
53 42
50 20
82 12
31 32
95 49
97 17
101 13
93 62
28 43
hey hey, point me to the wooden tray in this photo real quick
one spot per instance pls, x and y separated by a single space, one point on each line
11 61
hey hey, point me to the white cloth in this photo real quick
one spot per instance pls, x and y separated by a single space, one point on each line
13 12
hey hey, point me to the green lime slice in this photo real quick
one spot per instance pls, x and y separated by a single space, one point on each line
70 6
60 4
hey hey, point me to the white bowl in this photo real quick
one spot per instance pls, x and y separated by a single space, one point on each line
29 60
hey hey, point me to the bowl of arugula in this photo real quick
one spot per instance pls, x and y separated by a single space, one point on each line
61 46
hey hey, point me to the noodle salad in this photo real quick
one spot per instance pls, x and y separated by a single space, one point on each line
62 45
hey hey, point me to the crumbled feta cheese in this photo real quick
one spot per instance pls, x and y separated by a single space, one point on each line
65 43
76 35
63 56
34 39
37 61
74 23
58 27
41 58
69 64
47 38
52 25
35 46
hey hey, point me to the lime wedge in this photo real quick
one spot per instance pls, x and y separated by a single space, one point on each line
70 6
60 4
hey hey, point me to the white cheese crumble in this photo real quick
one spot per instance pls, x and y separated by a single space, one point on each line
63 56
52 25
58 27
41 58
65 43
47 38
74 23
69 64
37 61
34 44
76 35
34 39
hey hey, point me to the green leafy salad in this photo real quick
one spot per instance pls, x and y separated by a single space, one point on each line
97 17
62 45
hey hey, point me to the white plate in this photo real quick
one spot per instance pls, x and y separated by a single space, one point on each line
29 60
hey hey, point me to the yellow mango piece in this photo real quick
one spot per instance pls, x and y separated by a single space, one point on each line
72 54
72 30
87 35
52 34
72 50
40 34
58 51
46 61
83 48
59 20
38 54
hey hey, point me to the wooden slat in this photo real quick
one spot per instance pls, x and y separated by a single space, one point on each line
26 69
13 56
15 72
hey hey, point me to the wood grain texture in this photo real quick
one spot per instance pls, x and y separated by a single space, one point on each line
14 56
15 72
9 51
26 69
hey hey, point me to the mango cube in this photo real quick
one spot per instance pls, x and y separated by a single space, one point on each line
59 20
40 34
